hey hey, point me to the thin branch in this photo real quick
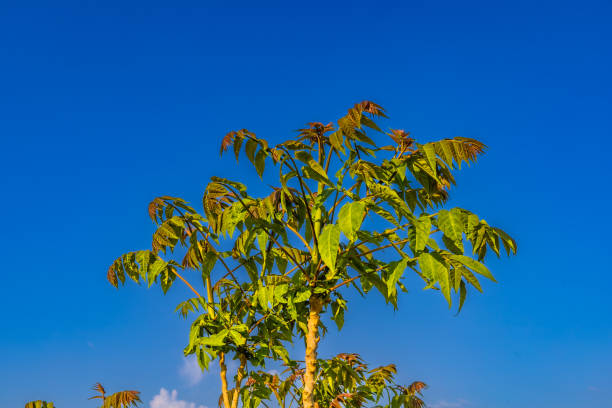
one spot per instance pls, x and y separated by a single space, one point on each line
344 195
328 161
257 323
331 217
186 283
346 282
299 236
289 271
383 247
301 182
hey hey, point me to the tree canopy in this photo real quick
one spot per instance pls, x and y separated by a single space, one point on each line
344 212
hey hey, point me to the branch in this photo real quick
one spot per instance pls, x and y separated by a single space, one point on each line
299 236
257 323
186 283
344 195
223 375
383 247
239 377
346 282
301 182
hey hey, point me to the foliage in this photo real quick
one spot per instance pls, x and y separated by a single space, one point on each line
342 212
39 404
342 382
121 399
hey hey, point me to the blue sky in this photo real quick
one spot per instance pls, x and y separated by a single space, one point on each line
105 105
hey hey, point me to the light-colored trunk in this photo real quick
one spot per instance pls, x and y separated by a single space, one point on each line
223 375
222 366
239 378
312 341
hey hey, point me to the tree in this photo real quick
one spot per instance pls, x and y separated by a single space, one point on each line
39 404
343 381
343 213
121 399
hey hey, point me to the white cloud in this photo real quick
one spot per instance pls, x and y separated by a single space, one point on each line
167 399
191 371
450 404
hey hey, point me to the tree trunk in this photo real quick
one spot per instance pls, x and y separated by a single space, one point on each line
239 377
312 341
223 375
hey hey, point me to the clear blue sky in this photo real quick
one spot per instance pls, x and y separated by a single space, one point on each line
105 105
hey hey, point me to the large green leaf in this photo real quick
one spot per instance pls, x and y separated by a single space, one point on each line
216 340
422 227
430 154
451 223
350 218
434 270
336 140
329 242
391 197
305 157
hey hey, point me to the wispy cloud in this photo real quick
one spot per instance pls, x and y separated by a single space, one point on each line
167 399
460 403
191 371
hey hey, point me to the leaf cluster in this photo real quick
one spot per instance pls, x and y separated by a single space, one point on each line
344 381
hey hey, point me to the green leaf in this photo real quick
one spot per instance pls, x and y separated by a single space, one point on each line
446 151
396 273
249 148
391 197
386 215
237 337
305 157
338 307
469 277
215 340
237 145
509 243
208 263
436 271
238 186
451 223
336 140
430 154
350 218
329 243
302 296
262 296
262 240
422 228
474 265
310 173
462 295
260 162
